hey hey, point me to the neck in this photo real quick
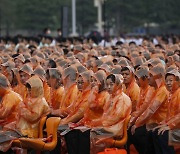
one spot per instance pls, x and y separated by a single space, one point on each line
117 91
175 87
2 93
145 85
127 85
159 82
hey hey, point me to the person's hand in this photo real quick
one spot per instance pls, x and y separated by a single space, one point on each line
72 125
23 111
131 122
62 122
159 126
108 141
163 129
133 129
54 112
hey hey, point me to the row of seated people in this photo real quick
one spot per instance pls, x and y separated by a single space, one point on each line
94 88
90 99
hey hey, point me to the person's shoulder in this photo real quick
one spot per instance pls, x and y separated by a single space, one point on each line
135 84
163 89
126 97
13 96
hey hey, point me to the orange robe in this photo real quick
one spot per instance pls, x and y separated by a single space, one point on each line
21 90
173 104
118 109
9 107
30 116
174 122
79 107
33 108
157 108
173 115
57 96
47 92
69 97
133 91
96 112
145 96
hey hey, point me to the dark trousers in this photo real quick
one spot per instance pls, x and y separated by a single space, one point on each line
78 142
138 139
160 143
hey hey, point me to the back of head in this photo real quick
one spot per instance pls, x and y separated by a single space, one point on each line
27 69
158 70
142 71
39 71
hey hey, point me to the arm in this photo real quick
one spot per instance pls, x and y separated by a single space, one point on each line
36 112
118 112
4 112
8 105
174 122
77 114
160 97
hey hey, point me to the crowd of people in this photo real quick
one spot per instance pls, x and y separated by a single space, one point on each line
95 86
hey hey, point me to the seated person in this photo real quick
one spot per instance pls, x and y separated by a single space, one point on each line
33 108
97 99
9 103
79 106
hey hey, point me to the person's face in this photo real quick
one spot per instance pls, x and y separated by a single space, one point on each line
10 76
2 91
93 82
170 79
127 76
110 85
18 63
52 82
169 61
80 83
142 82
151 80
24 77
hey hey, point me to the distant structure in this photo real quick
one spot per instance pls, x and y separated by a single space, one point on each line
100 23
74 33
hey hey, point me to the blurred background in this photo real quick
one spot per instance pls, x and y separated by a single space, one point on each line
131 17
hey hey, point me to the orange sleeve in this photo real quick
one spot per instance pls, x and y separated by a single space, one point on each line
9 103
174 122
34 113
47 94
69 97
174 105
134 94
78 112
144 104
160 97
119 112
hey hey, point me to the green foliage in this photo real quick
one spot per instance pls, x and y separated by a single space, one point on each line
123 15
